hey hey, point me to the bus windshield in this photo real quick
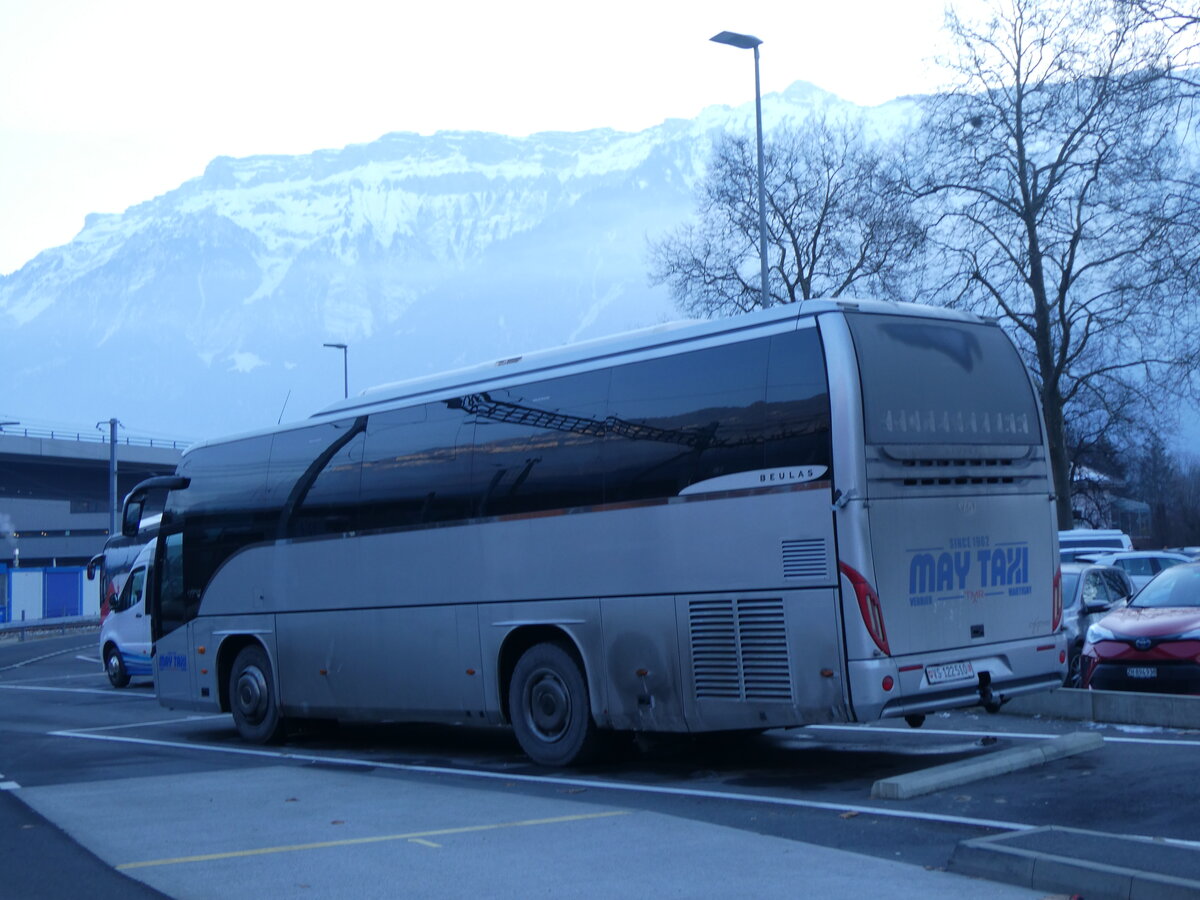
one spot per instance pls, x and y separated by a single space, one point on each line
932 381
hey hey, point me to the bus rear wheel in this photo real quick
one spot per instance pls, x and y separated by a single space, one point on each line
252 697
548 704
114 667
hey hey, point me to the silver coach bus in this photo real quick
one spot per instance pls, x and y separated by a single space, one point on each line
826 512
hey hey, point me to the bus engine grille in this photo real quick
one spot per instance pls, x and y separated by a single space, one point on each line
740 650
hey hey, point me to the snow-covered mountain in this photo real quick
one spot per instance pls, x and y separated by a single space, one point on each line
204 310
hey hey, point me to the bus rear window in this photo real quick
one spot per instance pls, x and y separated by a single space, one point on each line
928 381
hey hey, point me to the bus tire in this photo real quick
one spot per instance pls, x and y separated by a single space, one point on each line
549 707
114 667
252 697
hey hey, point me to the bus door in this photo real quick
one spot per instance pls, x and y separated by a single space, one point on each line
170 624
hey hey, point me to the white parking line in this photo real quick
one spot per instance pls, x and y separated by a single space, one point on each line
9 786
558 781
26 662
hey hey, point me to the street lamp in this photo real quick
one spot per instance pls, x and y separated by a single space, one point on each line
345 367
748 42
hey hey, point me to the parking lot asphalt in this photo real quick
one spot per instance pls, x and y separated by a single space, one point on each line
211 813
39 860
346 834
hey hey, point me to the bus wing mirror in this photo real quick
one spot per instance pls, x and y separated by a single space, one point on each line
131 516
93 565
135 502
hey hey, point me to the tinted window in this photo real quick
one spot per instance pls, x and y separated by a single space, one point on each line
226 476
680 420
227 508
537 446
797 412
176 604
314 477
927 381
417 466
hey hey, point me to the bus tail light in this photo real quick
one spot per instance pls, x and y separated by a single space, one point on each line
869 606
1056 601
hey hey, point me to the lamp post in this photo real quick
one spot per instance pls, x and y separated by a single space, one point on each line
749 42
113 500
345 367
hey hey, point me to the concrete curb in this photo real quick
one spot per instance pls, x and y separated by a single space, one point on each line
1039 860
1117 707
938 778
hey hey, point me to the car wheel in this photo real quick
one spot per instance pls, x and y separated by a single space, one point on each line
114 667
549 707
252 697
1074 677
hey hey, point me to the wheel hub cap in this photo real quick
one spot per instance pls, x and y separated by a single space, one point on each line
252 694
549 706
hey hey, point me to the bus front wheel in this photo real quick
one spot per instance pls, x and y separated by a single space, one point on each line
252 697
548 704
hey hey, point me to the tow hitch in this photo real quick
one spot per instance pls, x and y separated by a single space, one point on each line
989 701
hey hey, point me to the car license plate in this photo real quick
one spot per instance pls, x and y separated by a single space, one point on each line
958 671
1142 671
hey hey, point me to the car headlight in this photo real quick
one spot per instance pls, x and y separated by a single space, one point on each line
1098 632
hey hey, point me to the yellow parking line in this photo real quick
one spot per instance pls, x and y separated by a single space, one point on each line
262 851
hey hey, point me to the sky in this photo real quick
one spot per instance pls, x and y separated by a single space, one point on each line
105 105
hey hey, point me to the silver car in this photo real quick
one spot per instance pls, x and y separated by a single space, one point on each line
1089 592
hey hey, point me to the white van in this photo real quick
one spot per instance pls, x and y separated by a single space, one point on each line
124 620
1083 540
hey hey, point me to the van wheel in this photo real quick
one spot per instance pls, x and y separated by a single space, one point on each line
252 697
114 667
548 703
915 720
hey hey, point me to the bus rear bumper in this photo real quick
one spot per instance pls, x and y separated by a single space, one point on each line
996 673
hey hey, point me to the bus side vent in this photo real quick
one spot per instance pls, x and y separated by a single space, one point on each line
805 559
739 650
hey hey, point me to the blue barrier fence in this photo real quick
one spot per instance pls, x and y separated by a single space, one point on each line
41 594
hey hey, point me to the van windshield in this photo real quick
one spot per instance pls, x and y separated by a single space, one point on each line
929 381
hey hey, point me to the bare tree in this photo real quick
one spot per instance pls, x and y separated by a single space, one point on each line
836 223
1065 205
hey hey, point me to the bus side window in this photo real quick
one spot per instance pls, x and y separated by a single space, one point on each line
416 467
798 431
537 445
679 420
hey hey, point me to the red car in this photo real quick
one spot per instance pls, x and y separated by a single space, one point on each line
1153 644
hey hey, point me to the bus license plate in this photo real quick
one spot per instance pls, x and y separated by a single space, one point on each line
1142 672
949 672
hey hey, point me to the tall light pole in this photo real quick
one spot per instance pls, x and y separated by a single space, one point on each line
113 499
749 42
345 367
